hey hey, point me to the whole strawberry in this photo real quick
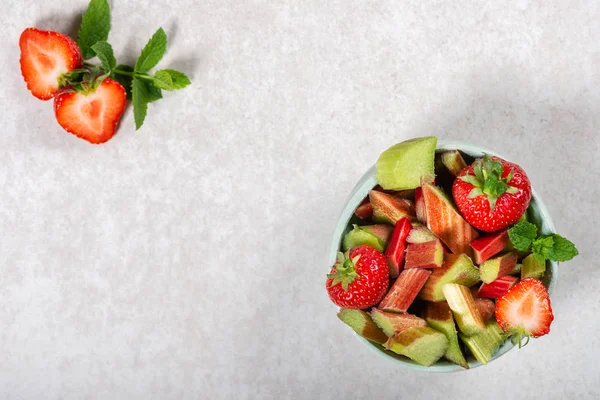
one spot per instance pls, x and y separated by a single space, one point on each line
359 279
491 193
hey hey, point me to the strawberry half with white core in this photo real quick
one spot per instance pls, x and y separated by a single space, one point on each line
359 279
45 57
491 193
93 112
525 310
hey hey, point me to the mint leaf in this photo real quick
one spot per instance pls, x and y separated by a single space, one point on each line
140 100
169 79
154 93
95 26
522 235
163 80
124 80
562 250
541 247
152 52
105 54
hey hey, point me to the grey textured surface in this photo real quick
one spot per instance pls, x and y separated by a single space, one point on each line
187 260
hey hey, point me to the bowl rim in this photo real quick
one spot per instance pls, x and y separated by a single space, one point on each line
360 191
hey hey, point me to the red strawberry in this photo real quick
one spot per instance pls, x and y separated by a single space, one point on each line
92 114
359 279
525 309
491 193
45 56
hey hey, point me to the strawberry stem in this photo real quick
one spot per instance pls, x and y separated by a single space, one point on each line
487 180
344 271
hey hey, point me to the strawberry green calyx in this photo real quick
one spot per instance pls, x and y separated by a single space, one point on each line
345 271
488 180
517 335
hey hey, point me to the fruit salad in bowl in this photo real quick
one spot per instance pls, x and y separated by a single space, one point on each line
444 257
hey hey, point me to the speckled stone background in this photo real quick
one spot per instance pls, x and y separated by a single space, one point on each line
187 260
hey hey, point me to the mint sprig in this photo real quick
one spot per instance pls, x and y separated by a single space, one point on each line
95 26
105 54
152 53
524 237
141 87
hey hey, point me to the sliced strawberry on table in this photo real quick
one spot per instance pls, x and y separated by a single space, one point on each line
491 193
93 113
525 310
359 279
394 252
45 57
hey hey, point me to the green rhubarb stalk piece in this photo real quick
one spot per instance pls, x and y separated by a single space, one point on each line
453 161
484 344
439 317
382 231
420 234
463 308
358 236
403 165
393 323
389 209
496 267
532 268
423 344
361 323
457 268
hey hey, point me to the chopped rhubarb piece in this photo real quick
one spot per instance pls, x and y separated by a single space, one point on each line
389 209
404 290
446 222
423 344
486 308
408 194
483 345
364 210
455 269
382 231
439 317
420 206
358 236
392 323
394 253
532 268
516 270
497 288
420 234
424 255
489 245
454 161
403 165
499 266
362 324
463 308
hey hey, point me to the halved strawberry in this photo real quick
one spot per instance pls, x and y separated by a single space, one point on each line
45 56
525 310
93 114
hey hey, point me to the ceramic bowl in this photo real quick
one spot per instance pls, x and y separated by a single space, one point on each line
538 214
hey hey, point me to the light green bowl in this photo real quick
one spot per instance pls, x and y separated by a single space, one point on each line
538 214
